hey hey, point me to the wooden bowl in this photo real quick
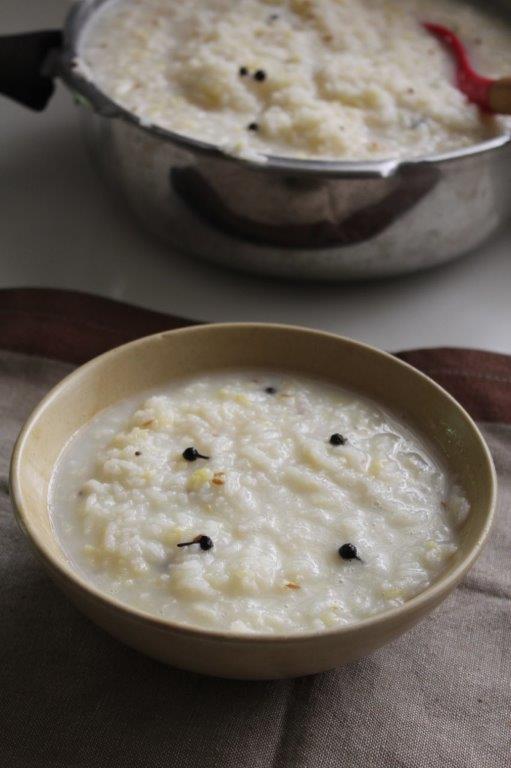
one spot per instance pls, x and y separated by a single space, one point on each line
152 361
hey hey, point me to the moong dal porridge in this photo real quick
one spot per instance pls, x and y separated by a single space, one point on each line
255 502
338 79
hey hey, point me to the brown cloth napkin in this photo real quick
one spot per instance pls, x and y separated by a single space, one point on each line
71 696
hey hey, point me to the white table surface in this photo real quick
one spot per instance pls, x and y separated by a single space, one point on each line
60 228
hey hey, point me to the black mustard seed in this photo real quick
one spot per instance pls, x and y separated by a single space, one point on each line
270 390
243 71
252 127
260 75
337 439
348 552
204 542
192 454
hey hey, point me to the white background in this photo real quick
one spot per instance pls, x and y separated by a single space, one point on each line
60 228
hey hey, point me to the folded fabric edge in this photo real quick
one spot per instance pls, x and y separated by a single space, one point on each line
74 327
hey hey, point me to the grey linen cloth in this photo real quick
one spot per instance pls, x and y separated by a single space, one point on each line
439 697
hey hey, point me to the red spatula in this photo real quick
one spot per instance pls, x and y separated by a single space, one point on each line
490 95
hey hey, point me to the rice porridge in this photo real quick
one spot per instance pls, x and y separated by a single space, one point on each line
346 79
255 502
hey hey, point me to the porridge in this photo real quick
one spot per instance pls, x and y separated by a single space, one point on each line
255 502
345 79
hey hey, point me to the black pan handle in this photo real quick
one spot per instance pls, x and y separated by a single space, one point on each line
23 74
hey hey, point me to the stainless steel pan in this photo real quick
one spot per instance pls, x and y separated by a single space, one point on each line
288 218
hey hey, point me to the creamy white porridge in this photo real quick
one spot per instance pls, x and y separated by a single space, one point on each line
356 79
315 508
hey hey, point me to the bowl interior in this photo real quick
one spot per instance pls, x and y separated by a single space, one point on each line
154 360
